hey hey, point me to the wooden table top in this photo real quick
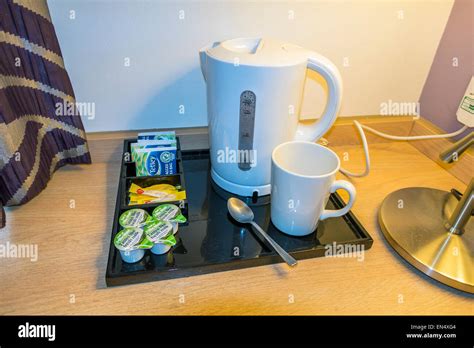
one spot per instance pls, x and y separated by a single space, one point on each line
71 223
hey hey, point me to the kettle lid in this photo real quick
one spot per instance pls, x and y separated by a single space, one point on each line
258 52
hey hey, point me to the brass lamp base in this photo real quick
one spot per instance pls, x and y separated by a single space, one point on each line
413 222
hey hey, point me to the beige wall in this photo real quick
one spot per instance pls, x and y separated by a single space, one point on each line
389 57
389 52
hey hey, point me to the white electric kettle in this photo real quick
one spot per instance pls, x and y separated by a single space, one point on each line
254 95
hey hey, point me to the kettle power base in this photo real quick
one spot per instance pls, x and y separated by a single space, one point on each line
239 190
212 241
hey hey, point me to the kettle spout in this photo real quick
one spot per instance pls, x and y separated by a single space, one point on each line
203 57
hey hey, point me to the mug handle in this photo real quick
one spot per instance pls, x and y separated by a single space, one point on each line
349 188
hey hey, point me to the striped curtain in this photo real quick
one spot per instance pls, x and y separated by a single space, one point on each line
35 139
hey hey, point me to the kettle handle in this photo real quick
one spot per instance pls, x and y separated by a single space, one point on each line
313 130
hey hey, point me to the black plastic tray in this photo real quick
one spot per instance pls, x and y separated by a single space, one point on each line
212 241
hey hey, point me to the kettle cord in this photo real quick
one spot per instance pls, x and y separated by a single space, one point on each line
360 127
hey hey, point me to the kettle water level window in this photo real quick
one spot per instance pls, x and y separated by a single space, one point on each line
246 127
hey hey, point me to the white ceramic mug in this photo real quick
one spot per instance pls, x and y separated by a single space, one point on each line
303 177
